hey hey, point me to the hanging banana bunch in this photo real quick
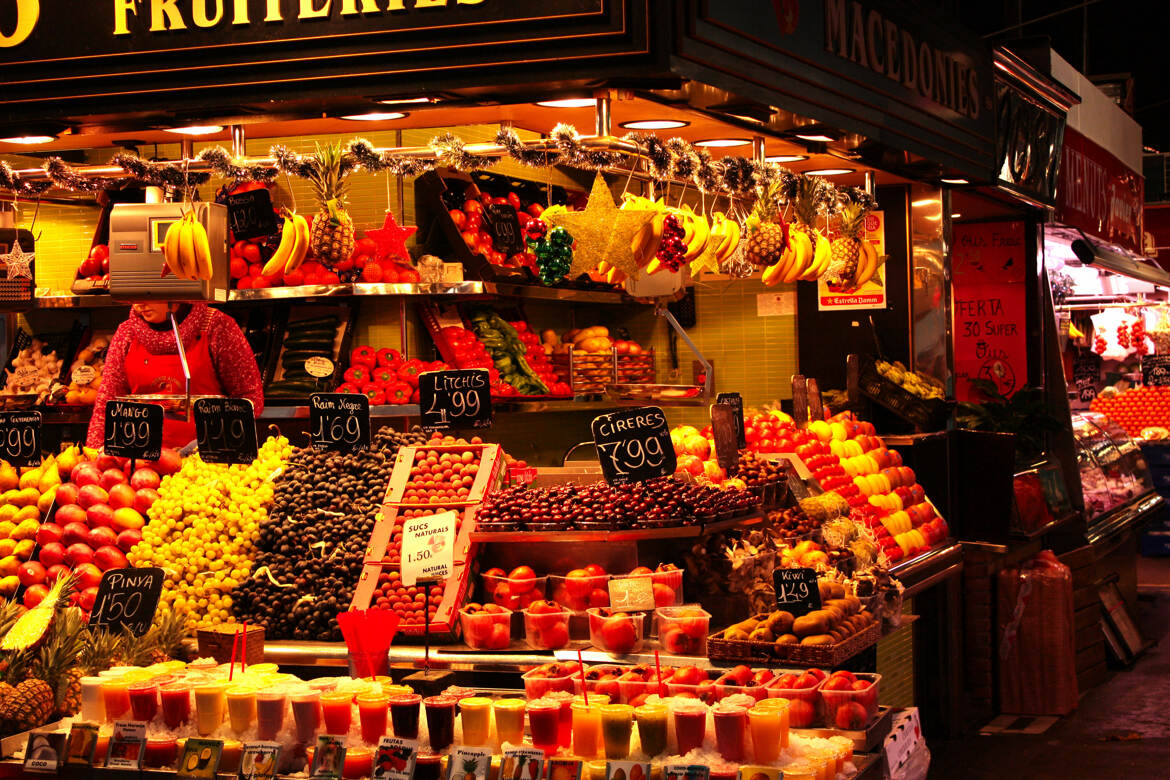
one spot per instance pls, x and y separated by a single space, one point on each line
293 246
186 249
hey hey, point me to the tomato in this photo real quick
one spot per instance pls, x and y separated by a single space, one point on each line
522 579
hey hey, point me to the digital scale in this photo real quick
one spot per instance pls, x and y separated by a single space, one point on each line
137 232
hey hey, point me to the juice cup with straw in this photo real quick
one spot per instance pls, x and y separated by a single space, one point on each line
404 714
730 731
175 700
269 714
509 721
767 738
337 710
617 722
440 711
372 713
475 712
586 729
652 728
143 700
116 697
241 707
690 725
210 704
306 710
544 717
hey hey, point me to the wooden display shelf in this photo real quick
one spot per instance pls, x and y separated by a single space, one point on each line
624 535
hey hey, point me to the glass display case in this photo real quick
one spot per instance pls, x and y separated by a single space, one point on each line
1113 470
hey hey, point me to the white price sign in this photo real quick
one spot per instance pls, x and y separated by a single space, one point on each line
428 547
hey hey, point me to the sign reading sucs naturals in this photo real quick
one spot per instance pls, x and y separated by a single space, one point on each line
990 309
428 548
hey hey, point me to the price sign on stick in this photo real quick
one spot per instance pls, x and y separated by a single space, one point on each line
504 227
455 399
723 431
633 445
428 548
1155 370
250 214
133 430
20 438
797 590
127 598
339 421
225 430
735 401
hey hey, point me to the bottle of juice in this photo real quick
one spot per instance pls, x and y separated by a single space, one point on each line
210 703
440 712
241 707
269 714
617 721
764 723
175 699
404 714
730 731
372 713
143 700
586 729
544 723
690 725
306 710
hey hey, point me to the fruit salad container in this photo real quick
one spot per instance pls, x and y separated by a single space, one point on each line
579 593
514 594
803 695
546 678
728 684
667 586
850 707
486 630
682 630
547 630
618 632
622 684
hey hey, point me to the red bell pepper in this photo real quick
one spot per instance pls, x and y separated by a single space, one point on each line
363 356
376 395
357 374
398 393
348 387
389 357
384 375
408 372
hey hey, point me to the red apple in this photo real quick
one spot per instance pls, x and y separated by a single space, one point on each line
52 553
144 499
121 495
85 474
105 462
111 477
145 478
110 557
78 554
73 533
66 494
91 495
130 537
101 514
49 532
101 536
127 519
88 576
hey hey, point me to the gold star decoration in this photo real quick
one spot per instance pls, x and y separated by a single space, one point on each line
602 231
18 262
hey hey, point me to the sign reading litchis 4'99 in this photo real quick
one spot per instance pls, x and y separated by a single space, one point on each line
633 445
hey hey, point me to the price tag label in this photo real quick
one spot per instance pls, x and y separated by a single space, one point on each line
633 445
395 758
44 752
797 590
428 548
1156 370
225 430
735 401
504 227
339 421
319 367
134 430
631 594
455 399
127 598
25 375
723 430
83 375
20 438
250 214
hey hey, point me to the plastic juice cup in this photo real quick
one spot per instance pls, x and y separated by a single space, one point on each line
475 712
359 762
426 766
306 710
767 735
160 753
116 697
544 716
210 704
690 727
440 712
730 732
372 713
390 689
586 729
597 770
844 748
651 728
229 759
323 684
509 721
781 706
241 707
101 749
616 725
269 714
801 771
93 707
337 711
564 700
175 700
264 668
143 700
404 714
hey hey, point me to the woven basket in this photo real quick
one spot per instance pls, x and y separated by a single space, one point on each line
217 643
802 655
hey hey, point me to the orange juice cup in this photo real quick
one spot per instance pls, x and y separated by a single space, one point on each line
337 711
116 697
372 713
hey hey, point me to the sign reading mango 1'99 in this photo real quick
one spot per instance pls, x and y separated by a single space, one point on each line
633 445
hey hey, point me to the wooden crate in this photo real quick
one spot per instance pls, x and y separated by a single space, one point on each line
489 478
741 651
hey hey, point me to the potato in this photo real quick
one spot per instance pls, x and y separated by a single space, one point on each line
817 639
786 639
854 604
748 625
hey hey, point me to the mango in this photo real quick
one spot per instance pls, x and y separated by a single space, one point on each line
9 565
24 549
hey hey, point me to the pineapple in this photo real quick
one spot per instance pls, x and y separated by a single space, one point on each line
138 650
57 662
171 631
30 703
331 237
766 238
846 247
469 767
102 650
31 628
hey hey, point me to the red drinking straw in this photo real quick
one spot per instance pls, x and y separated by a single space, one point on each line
581 665
244 647
658 667
235 650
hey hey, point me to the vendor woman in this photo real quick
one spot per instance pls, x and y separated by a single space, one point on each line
143 359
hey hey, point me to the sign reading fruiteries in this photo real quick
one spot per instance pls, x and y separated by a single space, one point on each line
428 548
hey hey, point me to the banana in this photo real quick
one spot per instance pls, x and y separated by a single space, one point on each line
701 232
187 247
301 246
774 273
866 266
787 260
802 255
734 236
288 240
171 247
203 269
823 254
654 266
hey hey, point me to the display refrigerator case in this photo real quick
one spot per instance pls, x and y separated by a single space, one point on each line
1116 484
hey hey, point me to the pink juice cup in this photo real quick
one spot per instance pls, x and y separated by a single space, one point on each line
175 699
144 700
544 721
730 732
269 714
690 726
306 710
404 714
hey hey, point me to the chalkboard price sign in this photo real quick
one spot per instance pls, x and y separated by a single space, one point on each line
797 590
633 445
339 421
735 401
127 598
250 214
1156 370
225 430
1086 375
20 438
723 431
504 228
133 430
455 399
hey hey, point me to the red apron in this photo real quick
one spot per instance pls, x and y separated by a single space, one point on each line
155 374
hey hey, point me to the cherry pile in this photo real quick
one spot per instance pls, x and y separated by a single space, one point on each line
757 471
658 502
313 541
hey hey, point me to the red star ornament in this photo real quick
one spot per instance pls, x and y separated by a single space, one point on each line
391 239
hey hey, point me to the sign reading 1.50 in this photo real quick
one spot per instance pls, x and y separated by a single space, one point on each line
633 445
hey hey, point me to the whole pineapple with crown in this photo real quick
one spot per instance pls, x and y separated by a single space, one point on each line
102 649
846 245
169 632
766 237
39 647
57 662
331 237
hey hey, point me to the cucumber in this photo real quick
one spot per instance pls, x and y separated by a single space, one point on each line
304 346
301 355
315 323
